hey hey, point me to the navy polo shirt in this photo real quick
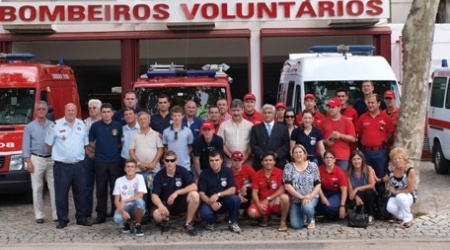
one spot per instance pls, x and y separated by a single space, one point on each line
202 149
108 139
308 141
158 123
195 126
118 115
212 183
361 106
164 185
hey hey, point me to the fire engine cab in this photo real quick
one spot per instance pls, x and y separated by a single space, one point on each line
22 83
203 86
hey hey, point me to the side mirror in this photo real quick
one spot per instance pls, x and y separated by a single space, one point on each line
50 113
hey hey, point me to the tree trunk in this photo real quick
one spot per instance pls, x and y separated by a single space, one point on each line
418 34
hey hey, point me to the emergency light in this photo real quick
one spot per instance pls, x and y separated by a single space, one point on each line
342 49
173 70
17 56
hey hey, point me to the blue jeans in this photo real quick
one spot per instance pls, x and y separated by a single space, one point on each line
378 159
334 198
89 169
298 211
343 164
229 203
130 208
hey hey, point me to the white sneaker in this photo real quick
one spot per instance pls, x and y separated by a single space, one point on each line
312 224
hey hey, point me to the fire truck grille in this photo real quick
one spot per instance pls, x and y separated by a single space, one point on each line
2 161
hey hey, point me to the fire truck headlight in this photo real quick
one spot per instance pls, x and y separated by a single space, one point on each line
16 163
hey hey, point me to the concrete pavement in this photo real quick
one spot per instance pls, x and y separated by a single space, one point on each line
432 224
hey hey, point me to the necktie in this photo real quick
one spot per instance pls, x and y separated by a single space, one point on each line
269 129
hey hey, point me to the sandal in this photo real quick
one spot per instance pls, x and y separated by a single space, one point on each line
397 221
282 228
407 224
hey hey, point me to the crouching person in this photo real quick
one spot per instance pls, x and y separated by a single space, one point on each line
217 192
174 192
128 194
268 193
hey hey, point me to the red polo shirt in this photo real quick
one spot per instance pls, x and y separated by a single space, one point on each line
318 118
351 113
393 115
256 118
344 126
244 177
267 186
334 180
371 129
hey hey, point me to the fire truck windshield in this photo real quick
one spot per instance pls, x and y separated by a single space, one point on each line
203 96
16 105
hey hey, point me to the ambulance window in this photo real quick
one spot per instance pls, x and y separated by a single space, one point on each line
298 103
290 93
438 92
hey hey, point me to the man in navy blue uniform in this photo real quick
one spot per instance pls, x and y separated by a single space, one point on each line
130 101
203 145
162 119
105 136
217 192
174 192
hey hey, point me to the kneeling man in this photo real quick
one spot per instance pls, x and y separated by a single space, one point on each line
174 192
268 194
128 194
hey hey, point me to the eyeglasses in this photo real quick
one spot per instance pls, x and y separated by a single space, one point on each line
289 116
170 160
41 109
175 137
90 108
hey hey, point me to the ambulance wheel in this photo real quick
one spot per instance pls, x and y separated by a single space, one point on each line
441 165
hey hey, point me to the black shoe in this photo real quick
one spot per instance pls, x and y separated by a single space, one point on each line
138 230
190 229
40 221
61 225
165 226
84 222
110 215
99 220
126 228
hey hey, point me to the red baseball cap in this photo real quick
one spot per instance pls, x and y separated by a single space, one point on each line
309 96
237 155
389 94
334 102
250 96
280 105
207 125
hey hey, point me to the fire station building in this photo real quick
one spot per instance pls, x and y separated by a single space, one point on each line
110 43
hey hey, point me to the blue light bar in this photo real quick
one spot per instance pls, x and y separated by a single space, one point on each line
185 73
18 56
341 48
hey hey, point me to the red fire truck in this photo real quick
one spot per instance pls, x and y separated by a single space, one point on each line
204 86
22 83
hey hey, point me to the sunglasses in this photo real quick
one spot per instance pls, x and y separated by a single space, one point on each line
170 160
290 117
175 137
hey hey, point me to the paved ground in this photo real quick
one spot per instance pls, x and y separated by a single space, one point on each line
432 222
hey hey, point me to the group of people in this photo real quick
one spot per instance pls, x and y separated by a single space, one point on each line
173 162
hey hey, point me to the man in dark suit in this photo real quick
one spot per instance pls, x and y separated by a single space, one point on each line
269 136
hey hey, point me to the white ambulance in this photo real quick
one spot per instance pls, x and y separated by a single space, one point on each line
328 68
439 120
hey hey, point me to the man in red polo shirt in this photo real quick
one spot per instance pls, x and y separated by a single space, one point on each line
346 110
338 133
391 108
250 113
268 193
243 178
375 128
310 104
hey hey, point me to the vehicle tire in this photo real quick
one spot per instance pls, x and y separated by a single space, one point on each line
441 165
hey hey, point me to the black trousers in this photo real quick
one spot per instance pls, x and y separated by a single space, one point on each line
106 174
369 198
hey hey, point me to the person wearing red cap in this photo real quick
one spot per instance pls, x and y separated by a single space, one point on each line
243 178
375 128
281 108
392 110
250 113
203 145
338 132
310 104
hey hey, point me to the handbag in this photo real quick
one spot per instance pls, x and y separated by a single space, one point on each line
357 219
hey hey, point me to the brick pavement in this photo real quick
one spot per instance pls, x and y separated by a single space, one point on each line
433 221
